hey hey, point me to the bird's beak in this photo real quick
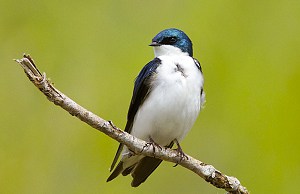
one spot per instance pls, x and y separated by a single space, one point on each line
154 44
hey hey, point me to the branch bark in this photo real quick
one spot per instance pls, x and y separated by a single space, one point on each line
231 184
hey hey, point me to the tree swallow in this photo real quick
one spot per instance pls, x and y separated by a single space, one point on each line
167 98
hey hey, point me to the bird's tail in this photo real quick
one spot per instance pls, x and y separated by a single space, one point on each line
143 170
116 172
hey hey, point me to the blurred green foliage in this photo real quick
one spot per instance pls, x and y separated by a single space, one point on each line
92 50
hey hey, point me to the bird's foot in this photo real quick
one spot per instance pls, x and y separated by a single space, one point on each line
153 144
112 125
180 153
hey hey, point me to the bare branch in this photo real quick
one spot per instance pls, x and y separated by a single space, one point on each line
207 172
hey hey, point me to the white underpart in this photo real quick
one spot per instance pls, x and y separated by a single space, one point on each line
168 50
174 103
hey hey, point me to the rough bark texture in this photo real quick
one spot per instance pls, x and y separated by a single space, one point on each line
207 172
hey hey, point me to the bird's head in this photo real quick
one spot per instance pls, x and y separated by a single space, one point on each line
172 42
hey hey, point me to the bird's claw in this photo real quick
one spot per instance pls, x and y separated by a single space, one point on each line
180 154
153 144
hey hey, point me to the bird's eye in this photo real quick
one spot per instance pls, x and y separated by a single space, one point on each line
169 40
172 40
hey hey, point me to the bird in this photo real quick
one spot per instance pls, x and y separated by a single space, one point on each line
167 98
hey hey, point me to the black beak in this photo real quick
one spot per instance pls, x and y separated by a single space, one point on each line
154 44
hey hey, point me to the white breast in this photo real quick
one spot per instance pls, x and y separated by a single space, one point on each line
173 105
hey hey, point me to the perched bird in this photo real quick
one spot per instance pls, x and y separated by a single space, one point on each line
167 98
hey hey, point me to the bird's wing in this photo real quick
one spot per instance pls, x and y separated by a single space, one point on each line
141 90
202 93
197 63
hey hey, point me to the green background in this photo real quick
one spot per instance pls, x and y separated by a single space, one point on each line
92 51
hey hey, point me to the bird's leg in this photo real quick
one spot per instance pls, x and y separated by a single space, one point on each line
153 144
180 153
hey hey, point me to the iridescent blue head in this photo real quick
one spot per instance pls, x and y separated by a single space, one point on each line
172 37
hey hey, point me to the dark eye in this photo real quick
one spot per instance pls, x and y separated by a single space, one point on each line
172 40
169 40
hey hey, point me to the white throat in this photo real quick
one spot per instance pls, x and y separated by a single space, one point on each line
168 50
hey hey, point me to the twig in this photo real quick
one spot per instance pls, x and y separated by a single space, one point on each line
207 172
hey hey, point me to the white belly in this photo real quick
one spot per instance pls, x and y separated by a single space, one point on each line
173 105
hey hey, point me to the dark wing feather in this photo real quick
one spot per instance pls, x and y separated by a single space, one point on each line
140 92
197 63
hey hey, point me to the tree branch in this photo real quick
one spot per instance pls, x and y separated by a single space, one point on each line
207 172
